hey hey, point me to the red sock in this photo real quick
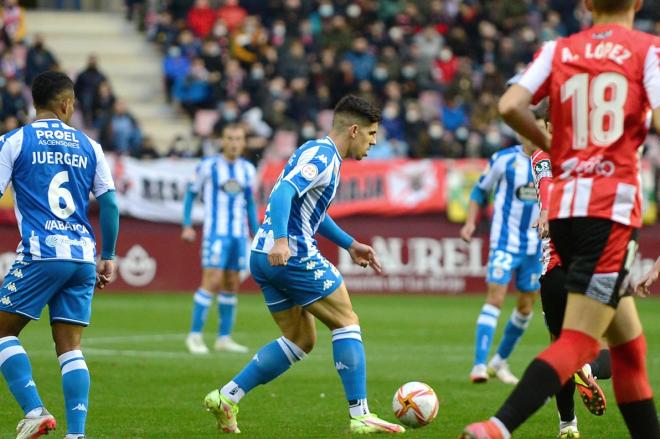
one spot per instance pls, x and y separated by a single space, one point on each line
570 352
629 376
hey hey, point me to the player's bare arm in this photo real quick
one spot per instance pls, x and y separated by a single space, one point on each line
514 108
471 222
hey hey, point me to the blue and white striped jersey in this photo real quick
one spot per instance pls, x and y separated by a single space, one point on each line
224 186
53 168
313 170
515 209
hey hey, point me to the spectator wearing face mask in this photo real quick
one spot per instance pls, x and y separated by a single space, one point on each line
175 67
362 61
193 91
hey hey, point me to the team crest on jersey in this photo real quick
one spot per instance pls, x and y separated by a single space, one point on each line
542 169
232 186
309 171
526 193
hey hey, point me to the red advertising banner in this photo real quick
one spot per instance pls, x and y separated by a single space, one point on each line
391 187
419 254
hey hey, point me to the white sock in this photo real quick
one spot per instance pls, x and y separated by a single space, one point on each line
563 424
34 413
496 360
361 408
73 436
232 392
501 427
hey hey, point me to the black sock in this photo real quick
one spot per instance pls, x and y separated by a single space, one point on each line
601 367
641 419
539 382
565 402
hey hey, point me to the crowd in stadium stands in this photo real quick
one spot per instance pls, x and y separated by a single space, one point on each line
102 114
436 67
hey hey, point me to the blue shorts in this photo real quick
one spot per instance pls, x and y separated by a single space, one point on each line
66 287
302 281
502 264
225 253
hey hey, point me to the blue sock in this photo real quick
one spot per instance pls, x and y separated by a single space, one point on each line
267 364
75 383
201 302
227 312
514 330
350 362
16 368
486 324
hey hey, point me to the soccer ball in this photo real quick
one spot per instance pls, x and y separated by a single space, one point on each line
415 404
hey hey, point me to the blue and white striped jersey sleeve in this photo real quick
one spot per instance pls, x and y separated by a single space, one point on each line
103 181
9 150
491 174
313 169
202 173
250 172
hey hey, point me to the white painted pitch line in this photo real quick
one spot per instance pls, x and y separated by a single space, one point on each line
133 338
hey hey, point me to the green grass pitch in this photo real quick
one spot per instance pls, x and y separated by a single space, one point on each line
144 384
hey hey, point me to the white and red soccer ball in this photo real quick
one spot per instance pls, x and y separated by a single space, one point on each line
415 404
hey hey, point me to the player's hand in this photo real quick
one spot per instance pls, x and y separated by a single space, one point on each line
364 256
104 271
542 225
280 253
643 286
188 234
467 231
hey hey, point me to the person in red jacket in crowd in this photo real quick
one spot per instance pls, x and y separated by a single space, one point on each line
201 18
232 14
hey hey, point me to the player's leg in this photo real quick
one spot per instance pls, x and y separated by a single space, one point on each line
75 376
203 297
553 302
336 312
70 313
629 375
24 292
591 247
270 361
228 296
273 359
487 322
202 300
528 271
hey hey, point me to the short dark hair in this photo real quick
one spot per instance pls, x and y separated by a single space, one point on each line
47 86
351 106
612 6
233 126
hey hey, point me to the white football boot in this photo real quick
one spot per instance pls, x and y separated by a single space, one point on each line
195 344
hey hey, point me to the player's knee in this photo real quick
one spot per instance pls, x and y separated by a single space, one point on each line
305 341
525 303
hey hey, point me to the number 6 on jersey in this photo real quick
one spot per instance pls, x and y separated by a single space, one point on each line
57 192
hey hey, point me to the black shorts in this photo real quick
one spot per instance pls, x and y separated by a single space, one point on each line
553 298
596 254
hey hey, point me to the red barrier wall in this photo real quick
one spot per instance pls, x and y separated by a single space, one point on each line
420 254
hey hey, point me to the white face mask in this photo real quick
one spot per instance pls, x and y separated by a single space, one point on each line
326 10
412 116
436 131
380 73
409 72
353 11
390 113
308 131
